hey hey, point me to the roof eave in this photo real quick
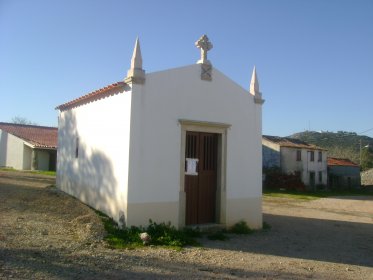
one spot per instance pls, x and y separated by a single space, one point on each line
91 97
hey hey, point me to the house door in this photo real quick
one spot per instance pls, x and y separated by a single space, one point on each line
201 156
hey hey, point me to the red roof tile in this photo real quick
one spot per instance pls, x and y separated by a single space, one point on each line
291 143
38 136
341 162
92 96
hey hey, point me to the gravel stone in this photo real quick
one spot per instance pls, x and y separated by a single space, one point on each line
46 234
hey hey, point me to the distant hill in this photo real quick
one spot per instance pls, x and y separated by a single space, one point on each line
341 144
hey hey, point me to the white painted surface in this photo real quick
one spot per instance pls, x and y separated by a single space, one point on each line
171 95
27 158
13 152
99 175
129 157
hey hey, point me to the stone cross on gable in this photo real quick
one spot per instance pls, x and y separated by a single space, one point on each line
205 45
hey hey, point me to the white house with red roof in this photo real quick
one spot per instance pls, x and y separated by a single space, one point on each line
180 145
294 156
28 147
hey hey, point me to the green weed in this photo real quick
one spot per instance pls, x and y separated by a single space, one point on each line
312 195
49 173
240 228
161 235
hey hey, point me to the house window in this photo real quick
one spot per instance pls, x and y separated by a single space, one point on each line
320 177
299 155
320 156
77 147
312 156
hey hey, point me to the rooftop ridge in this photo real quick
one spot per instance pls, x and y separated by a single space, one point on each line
28 125
91 96
37 136
291 142
341 161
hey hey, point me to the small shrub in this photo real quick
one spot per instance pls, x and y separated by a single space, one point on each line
240 228
161 234
168 235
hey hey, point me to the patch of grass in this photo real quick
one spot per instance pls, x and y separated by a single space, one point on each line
121 238
161 235
240 228
41 172
293 195
165 235
312 195
7 169
49 173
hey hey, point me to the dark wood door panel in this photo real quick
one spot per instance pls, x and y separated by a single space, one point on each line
200 188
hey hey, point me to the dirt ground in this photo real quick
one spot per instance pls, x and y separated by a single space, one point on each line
46 234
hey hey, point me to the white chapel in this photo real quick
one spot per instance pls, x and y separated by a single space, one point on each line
181 145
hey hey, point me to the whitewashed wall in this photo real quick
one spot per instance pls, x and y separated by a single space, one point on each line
99 175
12 151
27 157
175 94
130 147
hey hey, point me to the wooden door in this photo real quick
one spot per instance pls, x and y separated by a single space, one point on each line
200 186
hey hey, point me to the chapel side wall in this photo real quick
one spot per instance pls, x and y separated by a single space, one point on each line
99 175
158 106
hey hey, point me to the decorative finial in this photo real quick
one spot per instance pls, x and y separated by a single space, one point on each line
136 61
254 88
136 74
254 84
205 45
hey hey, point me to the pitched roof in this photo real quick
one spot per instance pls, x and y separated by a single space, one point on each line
291 142
341 162
92 96
38 136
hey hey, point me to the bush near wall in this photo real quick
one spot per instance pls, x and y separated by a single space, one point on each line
275 179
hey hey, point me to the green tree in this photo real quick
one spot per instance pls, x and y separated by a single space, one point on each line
366 158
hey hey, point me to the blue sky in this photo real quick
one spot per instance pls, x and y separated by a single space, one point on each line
314 58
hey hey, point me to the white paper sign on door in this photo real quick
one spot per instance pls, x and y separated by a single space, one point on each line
191 166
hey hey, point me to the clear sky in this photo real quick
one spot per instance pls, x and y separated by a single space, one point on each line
314 58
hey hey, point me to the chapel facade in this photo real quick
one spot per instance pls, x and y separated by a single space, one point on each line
181 145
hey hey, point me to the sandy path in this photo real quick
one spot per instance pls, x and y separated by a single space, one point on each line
45 234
